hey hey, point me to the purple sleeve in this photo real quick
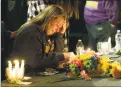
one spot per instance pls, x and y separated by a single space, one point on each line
111 7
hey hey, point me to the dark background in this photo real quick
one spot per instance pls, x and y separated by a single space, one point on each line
14 14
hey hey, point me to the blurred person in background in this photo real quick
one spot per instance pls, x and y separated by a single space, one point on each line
100 17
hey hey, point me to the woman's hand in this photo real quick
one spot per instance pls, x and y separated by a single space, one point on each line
73 57
63 28
13 34
69 56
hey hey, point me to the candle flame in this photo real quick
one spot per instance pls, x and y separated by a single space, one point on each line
16 61
88 49
22 61
9 62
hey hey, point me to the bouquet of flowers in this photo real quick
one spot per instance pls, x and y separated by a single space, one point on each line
89 64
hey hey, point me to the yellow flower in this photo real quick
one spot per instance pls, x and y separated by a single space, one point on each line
115 65
104 59
112 70
84 57
105 66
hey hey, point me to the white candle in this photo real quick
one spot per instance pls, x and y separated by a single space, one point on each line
21 71
16 64
20 74
13 75
9 65
16 69
8 73
22 64
9 70
17 72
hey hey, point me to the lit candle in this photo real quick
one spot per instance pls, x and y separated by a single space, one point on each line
16 69
9 65
22 64
8 73
21 73
13 75
88 49
16 64
9 70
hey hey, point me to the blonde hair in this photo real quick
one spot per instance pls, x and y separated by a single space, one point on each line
48 13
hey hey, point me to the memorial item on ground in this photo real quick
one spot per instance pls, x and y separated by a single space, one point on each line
90 64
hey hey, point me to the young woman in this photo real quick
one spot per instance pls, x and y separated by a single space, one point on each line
39 41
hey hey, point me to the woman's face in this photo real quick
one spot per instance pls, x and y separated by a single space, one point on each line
55 25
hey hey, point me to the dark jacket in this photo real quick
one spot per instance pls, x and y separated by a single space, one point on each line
32 45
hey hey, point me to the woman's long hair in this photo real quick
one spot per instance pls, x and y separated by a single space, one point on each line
45 16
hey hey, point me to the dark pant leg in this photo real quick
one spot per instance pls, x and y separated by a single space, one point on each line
98 32
105 33
92 41
114 30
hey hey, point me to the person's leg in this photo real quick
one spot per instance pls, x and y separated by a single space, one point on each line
98 33
92 41
114 30
105 31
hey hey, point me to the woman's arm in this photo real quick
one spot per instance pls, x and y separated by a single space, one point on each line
29 46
